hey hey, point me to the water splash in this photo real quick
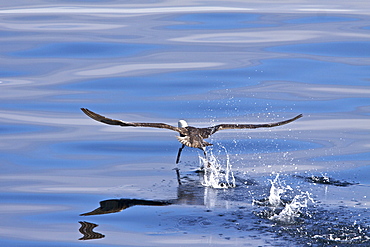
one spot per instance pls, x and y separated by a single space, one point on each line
215 174
277 188
292 211
274 198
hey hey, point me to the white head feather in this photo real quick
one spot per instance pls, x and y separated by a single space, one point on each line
182 124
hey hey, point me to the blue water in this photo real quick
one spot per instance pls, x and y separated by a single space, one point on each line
83 50
208 63
333 49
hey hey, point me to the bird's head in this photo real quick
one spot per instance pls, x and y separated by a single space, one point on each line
182 124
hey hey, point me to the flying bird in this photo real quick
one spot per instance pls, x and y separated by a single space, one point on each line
189 136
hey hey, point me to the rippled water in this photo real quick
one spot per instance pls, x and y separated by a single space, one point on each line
208 63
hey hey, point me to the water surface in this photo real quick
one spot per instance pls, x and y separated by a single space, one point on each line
207 63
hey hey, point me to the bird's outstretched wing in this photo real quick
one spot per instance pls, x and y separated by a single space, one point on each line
106 120
216 128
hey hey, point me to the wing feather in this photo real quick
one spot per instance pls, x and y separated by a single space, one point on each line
250 126
106 120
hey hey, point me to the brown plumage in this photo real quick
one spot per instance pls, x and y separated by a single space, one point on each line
189 136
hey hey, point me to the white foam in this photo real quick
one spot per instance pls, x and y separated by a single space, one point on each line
217 175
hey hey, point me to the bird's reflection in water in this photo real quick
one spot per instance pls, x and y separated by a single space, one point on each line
113 206
189 193
87 231
117 205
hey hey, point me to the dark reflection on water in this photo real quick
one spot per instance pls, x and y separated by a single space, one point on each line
117 205
87 229
325 180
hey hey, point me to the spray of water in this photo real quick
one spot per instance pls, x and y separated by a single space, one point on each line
318 229
277 188
217 175
292 211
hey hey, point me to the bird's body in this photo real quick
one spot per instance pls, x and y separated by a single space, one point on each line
189 136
